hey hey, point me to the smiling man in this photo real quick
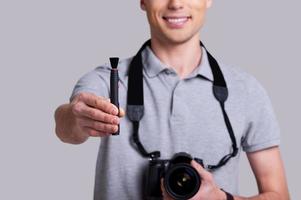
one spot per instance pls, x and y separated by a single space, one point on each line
175 27
181 114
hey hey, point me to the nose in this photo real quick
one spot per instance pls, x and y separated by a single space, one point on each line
175 4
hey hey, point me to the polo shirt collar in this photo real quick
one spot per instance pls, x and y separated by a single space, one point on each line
153 66
204 69
151 63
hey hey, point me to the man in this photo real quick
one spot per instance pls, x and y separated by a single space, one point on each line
181 114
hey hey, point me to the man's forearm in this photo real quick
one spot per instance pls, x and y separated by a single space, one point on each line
65 126
265 196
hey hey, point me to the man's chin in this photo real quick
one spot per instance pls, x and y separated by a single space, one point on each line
178 39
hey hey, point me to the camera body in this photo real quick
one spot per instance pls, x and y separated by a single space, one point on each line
180 179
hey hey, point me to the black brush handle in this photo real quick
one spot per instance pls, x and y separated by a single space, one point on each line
114 91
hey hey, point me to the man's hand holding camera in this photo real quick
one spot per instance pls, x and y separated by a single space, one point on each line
208 189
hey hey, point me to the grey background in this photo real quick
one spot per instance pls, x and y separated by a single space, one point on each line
45 46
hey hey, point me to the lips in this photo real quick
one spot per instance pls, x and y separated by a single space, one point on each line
176 21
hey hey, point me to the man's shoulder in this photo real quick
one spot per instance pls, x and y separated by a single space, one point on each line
234 72
237 75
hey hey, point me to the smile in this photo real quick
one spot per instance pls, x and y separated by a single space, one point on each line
176 22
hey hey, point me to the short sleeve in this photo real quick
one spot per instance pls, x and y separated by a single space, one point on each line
262 129
95 81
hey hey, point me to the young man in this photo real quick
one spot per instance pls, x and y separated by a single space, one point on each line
181 114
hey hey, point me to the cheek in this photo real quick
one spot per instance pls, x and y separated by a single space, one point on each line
199 5
199 10
150 15
153 16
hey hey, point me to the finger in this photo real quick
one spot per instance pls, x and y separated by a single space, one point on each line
121 112
84 95
162 186
98 115
202 172
164 193
99 103
94 133
102 127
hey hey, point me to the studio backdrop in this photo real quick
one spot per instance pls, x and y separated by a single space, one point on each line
45 46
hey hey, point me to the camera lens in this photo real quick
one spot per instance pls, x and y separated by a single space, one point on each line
182 181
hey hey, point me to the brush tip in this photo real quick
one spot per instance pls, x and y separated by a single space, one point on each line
114 62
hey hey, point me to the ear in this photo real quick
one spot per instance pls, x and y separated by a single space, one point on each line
209 3
142 5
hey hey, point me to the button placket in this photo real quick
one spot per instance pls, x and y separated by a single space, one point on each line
175 99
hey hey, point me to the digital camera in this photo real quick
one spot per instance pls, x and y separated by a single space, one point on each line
180 179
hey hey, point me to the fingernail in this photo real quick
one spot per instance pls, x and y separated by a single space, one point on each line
114 111
116 121
115 129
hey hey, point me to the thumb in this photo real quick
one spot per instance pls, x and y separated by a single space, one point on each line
204 174
121 112
164 193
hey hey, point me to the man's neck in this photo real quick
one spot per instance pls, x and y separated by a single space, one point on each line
183 58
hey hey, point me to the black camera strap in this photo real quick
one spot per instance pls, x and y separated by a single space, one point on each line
135 103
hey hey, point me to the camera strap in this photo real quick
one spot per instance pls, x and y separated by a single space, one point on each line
135 103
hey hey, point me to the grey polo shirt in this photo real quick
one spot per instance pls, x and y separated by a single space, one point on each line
180 116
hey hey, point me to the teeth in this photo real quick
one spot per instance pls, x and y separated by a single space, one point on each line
176 20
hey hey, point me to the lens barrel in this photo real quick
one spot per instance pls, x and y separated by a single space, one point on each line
182 181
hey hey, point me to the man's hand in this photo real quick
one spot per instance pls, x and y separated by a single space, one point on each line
95 115
208 189
268 168
87 115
